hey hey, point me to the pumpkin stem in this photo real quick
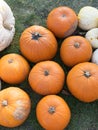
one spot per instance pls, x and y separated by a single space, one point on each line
10 60
46 72
51 110
36 35
4 103
87 74
77 45
63 15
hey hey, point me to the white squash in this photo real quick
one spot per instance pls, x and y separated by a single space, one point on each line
94 58
92 37
7 25
88 17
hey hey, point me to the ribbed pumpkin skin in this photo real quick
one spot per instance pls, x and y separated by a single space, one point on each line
38 43
62 21
82 81
47 77
74 50
15 106
57 119
14 68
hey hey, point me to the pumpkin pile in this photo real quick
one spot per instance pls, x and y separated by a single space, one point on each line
39 45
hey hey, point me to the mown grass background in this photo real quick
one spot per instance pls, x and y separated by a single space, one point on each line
30 12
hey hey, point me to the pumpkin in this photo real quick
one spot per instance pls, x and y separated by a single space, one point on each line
74 50
38 43
92 37
15 106
7 25
62 21
82 81
46 77
88 17
13 68
53 113
94 57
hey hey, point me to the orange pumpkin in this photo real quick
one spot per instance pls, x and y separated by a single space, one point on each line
82 81
62 21
15 106
74 50
13 68
53 113
46 77
38 43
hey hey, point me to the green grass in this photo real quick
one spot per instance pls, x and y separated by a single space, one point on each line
30 12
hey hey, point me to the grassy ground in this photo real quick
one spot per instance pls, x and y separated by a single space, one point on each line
27 13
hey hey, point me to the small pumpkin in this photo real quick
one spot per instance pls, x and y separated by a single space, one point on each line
82 81
74 50
88 17
15 106
47 77
7 25
14 68
92 37
53 113
38 43
62 21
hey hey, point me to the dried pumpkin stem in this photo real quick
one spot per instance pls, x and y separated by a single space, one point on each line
87 74
77 45
36 35
46 72
63 15
51 109
10 60
4 103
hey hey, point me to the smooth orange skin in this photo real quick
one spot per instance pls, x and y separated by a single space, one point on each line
44 85
18 108
15 72
83 88
56 121
71 55
62 21
44 48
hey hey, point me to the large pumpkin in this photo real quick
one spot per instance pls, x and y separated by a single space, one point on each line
53 113
82 81
15 106
38 43
47 77
62 21
74 50
13 68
